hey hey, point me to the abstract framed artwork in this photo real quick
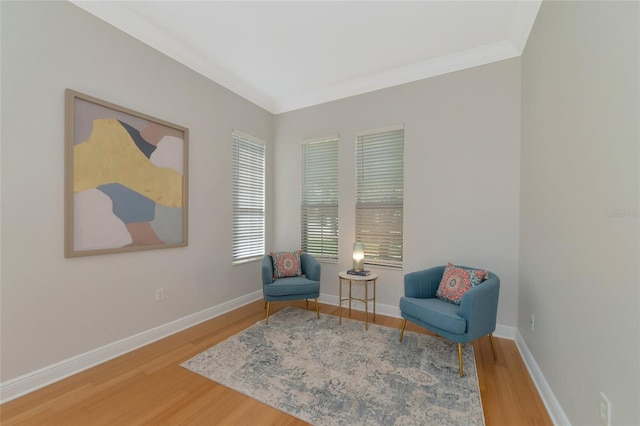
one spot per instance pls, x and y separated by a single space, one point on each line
126 177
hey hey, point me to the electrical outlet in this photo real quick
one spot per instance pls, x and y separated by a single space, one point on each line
159 294
533 323
605 410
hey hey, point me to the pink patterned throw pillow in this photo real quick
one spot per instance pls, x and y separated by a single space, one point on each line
456 281
286 264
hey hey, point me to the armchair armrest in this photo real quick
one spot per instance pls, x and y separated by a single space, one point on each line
310 266
423 284
479 306
267 270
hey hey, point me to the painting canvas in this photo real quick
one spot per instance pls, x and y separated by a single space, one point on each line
125 179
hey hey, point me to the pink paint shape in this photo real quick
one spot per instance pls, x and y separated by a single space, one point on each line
96 227
169 153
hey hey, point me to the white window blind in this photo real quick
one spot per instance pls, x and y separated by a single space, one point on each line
248 197
379 195
319 199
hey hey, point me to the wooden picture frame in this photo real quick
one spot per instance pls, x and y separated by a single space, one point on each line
126 176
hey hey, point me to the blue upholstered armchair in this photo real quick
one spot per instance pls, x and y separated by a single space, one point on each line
474 317
305 287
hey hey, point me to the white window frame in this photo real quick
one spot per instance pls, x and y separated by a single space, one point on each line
319 195
380 195
249 189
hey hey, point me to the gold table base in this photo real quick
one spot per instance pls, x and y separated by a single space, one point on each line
359 279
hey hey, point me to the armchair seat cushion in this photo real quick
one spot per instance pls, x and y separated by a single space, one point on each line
291 286
439 313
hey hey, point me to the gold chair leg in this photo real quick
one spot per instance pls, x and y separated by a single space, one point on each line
317 308
493 346
268 306
460 358
404 324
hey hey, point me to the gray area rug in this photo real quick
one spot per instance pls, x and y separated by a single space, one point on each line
330 374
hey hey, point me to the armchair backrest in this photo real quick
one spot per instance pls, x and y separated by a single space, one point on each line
310 266
267 269
423 284
479 306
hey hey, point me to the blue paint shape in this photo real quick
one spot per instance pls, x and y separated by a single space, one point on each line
128 205
145 147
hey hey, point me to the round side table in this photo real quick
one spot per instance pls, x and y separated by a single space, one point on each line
359 279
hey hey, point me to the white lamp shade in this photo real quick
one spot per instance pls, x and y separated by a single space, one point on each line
358 256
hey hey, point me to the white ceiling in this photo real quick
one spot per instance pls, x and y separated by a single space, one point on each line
286 55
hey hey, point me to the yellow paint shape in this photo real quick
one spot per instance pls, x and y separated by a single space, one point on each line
111 156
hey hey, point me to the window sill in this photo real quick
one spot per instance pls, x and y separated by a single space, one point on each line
253 259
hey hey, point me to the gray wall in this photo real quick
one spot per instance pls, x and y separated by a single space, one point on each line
462 155
55 308
580 185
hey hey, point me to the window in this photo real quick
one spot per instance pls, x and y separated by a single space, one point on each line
379 195
248 197
319 198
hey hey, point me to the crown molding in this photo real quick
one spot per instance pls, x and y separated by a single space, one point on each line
443 65
117 14
523 23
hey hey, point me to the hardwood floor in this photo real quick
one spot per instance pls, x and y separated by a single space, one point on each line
147 386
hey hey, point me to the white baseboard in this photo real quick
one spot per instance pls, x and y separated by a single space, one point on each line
34 380
505 332
502 331
388 310
29 382
558 416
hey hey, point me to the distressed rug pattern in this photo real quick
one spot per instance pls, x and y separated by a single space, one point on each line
329 374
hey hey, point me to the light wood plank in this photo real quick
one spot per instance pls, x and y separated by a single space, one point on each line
148 386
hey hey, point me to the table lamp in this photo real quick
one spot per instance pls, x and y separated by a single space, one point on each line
358 256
